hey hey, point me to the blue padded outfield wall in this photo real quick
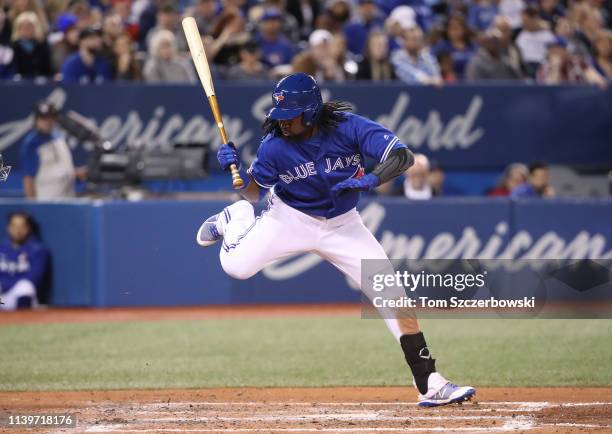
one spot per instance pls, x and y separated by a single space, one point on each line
462 127
144 254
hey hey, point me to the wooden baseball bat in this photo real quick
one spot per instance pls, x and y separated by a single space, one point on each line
201 63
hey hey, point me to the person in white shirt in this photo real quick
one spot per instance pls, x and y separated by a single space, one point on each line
533 40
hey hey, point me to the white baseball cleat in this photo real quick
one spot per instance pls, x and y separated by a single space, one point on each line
211 230
443 392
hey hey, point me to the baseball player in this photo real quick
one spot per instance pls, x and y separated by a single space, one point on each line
312 160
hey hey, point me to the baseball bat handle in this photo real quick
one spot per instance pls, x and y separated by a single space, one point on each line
237 181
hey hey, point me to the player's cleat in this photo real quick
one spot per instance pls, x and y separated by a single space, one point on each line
443 392
211 230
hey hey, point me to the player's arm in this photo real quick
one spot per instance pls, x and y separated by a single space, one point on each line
377 142
398 160
252 192
28 187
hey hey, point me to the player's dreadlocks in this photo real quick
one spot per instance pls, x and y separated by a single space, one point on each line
330 117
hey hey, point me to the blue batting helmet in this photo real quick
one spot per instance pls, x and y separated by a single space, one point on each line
296 94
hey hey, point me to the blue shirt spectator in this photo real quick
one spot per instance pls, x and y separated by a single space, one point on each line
524 190
457 43
414 64
537 185
460 57
23 264
356 32
87 66
276 49
481 15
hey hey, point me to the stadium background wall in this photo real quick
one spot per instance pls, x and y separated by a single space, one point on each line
463 127
144 253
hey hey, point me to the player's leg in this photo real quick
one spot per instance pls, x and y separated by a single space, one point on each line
22 289
345 243
250 243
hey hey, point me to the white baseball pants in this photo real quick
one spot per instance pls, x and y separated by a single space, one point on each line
250 243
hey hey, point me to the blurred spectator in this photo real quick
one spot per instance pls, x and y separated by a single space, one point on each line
32 57
550 11
414 64
164 65
375 65
112 29
337 14
46 160
290 26
563 67
490 62
87 65
88 16
603 54
35 6
577 43
533 39
275 47
508 48
126 66
305 13
5 27
228 35
147 20
67 42
514 175
416 184
205 13
446 67
6 52
168 19
512 11
537 185
323 58
250 66
402 18
590 23
23 264
356 32
481 14
458 43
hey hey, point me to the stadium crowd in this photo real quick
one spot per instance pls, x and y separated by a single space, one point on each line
416 41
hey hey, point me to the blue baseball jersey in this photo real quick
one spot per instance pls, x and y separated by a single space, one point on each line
302 173
28 261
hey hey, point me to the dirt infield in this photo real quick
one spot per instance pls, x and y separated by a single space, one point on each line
356 410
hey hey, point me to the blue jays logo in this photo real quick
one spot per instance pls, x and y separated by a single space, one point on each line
278 97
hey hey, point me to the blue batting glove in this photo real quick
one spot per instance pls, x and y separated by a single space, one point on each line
365 183
227 155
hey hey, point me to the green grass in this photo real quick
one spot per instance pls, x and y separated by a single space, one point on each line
299 351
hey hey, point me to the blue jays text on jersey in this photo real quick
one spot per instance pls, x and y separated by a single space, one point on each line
302 173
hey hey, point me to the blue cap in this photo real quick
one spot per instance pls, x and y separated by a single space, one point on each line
271 14
65 21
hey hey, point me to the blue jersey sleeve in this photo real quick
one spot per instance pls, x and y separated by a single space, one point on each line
263 169
29 157
374 140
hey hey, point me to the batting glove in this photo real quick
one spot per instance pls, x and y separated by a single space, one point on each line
365 183
227 155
